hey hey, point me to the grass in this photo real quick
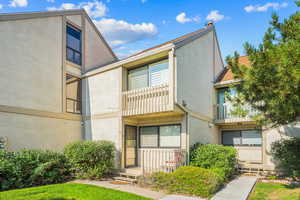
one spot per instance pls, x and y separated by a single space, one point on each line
68 191
272 191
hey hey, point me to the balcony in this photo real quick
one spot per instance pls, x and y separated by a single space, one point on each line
146 100
223 114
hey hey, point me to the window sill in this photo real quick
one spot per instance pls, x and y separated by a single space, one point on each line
73 64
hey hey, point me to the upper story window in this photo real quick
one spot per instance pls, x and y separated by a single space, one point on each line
149 75
221 94
73 45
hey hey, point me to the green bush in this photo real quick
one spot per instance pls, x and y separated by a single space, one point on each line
195 180
32 167
287 153
188 180
221 159
90 159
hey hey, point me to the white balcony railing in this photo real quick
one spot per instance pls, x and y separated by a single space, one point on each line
146 100
161 160
223 112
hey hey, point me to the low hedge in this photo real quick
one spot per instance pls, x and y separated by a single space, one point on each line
26 168
221 159
195 180
31 168
287 153
188 180
90 159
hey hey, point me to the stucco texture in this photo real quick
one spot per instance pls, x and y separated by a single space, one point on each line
31 63
25 131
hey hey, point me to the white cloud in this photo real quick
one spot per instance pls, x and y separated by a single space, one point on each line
264 8
94 8
182 18
215 16
119 32
127 53
51 1
18 3
1 6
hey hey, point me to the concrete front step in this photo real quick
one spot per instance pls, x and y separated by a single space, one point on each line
129 175
125 179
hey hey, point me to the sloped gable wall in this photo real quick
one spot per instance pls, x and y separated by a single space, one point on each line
96 52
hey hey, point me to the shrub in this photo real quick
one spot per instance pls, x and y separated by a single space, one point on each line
90 159
32 167
194 180
221 159
185 180
287 152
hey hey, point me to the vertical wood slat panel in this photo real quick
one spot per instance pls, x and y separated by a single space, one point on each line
146 100
164 160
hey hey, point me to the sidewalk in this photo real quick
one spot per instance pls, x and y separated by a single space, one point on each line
179 197
238 189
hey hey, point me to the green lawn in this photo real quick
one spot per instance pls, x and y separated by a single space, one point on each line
271 191
68 191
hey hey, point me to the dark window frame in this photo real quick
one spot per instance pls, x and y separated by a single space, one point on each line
158 137
73 60
240 137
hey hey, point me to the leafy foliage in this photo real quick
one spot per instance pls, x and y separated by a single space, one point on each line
287 152
221 159
185 180
272 83
195 180
90 159
32 167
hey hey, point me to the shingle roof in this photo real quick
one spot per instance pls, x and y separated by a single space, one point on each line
227 74
174 40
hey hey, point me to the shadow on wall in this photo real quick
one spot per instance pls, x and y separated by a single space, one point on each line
86 111
87 131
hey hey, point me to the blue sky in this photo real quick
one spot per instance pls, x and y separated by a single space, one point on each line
134 25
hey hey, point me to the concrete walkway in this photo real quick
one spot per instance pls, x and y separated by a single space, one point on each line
238 189
180 197
125 188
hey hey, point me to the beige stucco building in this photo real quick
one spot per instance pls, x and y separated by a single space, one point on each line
61 82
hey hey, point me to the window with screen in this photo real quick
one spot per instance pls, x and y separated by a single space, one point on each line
73 45
242 138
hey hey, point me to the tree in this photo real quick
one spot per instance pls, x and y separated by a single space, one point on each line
272 83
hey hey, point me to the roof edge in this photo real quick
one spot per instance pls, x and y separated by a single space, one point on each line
38 14
99 34
119 63
191 38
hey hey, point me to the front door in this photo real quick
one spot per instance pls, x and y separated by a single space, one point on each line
130 146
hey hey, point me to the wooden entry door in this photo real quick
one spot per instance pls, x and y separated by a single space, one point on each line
130 146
